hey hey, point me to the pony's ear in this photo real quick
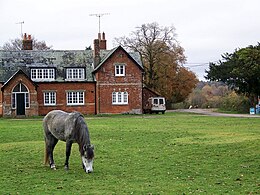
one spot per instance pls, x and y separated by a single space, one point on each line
85 147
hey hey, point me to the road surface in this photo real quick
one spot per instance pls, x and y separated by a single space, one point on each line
212 112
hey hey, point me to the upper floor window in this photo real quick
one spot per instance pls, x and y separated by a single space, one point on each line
45 74
119 70
75 73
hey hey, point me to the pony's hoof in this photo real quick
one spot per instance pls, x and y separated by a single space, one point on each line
53 167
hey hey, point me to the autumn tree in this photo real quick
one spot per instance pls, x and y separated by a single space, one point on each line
17 44
162 58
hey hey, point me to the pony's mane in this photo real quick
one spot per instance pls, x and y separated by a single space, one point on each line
82 129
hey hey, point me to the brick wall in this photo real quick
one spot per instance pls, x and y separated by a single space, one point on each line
107 82
61 101
7 95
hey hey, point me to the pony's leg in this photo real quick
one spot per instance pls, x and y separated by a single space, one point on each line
68 151
52 141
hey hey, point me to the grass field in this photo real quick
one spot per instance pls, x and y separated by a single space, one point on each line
175 153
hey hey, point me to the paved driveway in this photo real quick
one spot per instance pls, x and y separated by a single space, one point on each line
212 112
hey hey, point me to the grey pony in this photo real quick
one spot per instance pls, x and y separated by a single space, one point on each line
70 128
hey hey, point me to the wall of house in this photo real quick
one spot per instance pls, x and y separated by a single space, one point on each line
61 101
107 82
7 95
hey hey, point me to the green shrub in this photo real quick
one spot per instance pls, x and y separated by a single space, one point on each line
235 103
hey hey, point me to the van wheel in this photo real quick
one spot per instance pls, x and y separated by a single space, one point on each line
163 112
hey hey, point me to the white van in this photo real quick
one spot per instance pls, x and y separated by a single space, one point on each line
155 105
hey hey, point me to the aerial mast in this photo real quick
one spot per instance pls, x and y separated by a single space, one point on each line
21 23
99 16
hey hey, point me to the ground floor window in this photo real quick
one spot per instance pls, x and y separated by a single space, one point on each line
75 97
120 98
49 98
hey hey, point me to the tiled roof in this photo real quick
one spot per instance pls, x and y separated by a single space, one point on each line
134 55
12 61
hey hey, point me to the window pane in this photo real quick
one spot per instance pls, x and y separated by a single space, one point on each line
114 97
51 73
17 88
13 100
69 97
160 101
23 88
121 70
45 73
75 74
52 98
33 74
81 98
119 95
39 74
69 73
46 98
155 101
125 97
27 101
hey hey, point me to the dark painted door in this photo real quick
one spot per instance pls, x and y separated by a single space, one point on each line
20 104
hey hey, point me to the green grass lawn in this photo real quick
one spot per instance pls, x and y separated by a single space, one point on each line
175 153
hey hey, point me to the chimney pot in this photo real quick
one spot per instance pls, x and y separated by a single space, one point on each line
27 42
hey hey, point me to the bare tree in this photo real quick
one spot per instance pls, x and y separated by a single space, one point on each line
163 58
17 44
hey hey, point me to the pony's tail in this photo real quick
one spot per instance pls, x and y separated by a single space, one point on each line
46 159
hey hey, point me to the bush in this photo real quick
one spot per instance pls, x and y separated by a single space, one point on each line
234 102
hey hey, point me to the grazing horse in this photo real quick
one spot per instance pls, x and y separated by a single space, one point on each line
71 128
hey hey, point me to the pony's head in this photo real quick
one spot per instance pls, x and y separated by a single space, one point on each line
88 158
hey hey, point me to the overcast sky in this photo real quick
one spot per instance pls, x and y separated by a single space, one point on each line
205 28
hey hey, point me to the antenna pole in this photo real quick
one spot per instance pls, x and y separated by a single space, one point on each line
21 23
99 16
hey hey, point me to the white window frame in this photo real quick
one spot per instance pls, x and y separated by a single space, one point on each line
26 96
120 98
119 69
49 98
75 98
75 74
42 74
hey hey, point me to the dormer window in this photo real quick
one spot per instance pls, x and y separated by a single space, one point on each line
120 70
42 74
75 73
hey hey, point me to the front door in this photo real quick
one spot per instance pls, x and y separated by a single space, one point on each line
20 104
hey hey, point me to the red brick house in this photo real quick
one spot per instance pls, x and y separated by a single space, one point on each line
92 82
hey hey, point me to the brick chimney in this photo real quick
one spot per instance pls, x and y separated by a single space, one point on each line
27 42
99 44
96 52
103 42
